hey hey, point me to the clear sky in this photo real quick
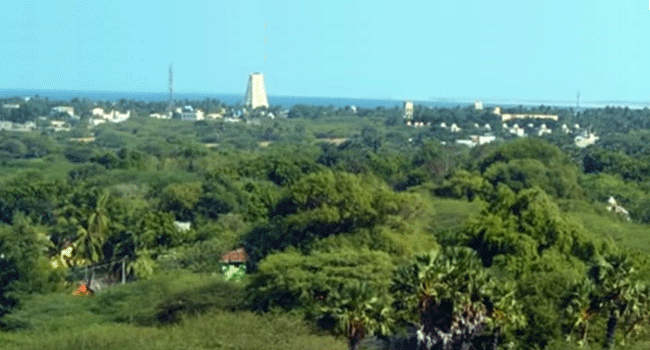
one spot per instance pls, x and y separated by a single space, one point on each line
423 50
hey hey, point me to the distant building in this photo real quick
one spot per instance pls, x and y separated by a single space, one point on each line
478 105
113 116
517 130
59 125
565 129
214 116
160 115
237 256
63 109
482 139
507 117
585 139
544 130
28 126
189 114
408 110
256 92
475 140
11 106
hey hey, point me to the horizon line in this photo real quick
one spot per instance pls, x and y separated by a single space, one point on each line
464 100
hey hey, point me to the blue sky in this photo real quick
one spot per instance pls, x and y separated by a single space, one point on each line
423 50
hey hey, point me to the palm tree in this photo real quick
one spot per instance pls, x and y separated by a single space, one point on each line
358 312
455 301
580 308
617 294
609 290
92 229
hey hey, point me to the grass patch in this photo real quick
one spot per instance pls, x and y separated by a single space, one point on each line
605 225
215 330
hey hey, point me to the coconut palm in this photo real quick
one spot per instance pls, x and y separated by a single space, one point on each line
358 311
92 228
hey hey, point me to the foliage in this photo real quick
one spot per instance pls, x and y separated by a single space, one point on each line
525 224
23 268
291 280
358 311
455 300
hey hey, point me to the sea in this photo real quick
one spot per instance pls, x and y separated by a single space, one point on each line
289 101
229 99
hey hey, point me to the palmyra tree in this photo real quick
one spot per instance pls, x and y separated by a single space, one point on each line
610 290
455 301
358 311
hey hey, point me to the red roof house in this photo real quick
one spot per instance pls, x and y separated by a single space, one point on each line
237 256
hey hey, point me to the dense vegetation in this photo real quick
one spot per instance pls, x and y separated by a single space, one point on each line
355 225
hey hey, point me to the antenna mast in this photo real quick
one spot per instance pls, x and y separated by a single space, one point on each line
171 90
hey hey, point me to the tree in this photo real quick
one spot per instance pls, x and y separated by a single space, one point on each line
617 294
454 299
92 229
525 224
24 268
524 164
292 280
358 311
612 291
580 309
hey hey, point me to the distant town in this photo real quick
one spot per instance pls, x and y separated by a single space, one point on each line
19 114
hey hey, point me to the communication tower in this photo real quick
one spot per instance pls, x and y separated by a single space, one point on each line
170 109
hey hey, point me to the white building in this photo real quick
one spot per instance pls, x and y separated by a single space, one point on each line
507 117
160 116
256 92
586 139
544 130
59 125
63 109
516 130
475 140
478 105
565 129
408 110
189 114
113 116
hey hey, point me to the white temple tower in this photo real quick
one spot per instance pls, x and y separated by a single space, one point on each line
408 110
255 92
